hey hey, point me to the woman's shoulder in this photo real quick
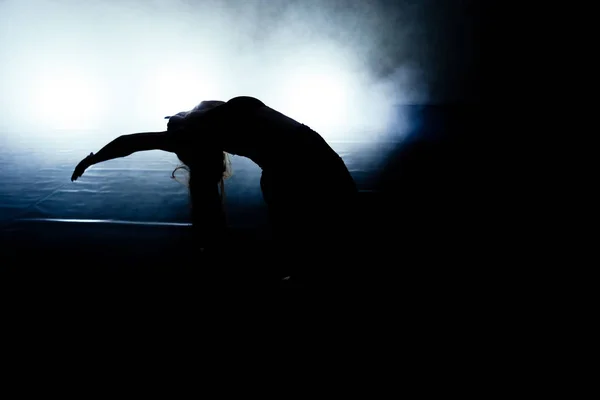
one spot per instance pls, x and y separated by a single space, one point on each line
207 105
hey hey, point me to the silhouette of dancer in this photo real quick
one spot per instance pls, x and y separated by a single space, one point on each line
308 190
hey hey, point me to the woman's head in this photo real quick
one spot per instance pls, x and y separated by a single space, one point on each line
209 163
177 121
208 166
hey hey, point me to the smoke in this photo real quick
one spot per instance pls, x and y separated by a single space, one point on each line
338 66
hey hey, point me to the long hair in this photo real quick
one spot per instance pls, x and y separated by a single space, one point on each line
213 166
184 178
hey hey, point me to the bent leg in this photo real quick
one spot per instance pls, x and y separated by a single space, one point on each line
312 231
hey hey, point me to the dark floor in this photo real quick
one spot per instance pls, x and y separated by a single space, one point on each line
422 228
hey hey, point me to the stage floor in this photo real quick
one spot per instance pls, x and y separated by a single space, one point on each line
127 215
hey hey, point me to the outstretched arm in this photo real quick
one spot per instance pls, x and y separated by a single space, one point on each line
123 146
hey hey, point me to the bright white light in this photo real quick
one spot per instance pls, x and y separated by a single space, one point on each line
65 98
330 97
168 89
134 65
317 96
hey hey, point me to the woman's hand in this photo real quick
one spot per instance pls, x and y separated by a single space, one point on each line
81 167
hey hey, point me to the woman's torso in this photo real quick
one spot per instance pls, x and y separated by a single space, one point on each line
285 149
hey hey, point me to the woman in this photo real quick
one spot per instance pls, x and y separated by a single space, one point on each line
306 185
